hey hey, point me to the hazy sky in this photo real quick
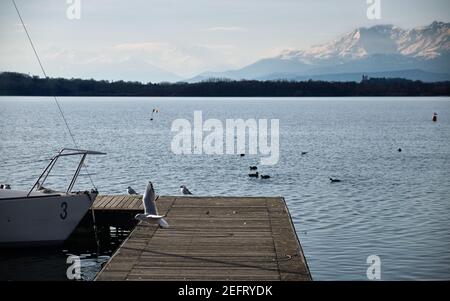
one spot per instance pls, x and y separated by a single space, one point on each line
135 39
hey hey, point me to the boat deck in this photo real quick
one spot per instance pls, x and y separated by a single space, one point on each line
210 238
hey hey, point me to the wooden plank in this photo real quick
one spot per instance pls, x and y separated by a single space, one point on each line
210 238
291 261
135 203
103 200
106 204
122 202
98 199
117 204
114 204
126 203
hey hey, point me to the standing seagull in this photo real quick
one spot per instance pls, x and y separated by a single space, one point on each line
184 190
131 190
150 211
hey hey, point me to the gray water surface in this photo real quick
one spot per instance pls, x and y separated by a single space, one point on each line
392 204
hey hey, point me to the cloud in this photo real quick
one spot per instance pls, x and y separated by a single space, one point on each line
14 28
276 51
131 60
225 28
164 55
146 46
217 46
186 60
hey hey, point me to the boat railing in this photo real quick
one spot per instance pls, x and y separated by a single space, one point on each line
63 153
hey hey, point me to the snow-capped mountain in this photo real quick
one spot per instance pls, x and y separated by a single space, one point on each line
426 42
381 49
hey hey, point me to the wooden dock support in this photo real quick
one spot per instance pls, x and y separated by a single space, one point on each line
210 238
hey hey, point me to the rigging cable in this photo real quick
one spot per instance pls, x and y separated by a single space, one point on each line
54 96
62 115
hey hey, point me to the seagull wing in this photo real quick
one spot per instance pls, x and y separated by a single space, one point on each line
187 191
149 200
162 223
154 216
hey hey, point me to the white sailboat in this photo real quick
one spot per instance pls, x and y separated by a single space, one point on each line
42 216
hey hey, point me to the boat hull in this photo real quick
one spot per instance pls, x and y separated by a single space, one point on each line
41 220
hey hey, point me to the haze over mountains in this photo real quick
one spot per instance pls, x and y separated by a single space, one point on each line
421 53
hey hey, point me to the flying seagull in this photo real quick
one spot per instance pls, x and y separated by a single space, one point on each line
184 190
150 211
131 190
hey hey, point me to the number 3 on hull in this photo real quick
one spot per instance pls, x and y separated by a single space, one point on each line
43 216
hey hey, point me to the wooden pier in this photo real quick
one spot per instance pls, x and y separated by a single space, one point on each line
210 238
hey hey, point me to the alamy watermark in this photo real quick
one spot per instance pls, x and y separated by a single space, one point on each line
374 270
73 272
73 11
212 137
374 9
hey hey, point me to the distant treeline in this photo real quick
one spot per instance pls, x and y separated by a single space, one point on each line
24 85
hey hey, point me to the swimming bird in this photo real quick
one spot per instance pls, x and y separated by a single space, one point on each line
434 117
131 190
150 214
184 190
399 150
304 153
253 175
153 112
265 177
334 180
242 155
253 167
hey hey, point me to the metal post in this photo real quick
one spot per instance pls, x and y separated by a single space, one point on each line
42 174
75 176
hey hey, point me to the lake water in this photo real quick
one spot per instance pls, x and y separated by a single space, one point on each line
50 263
392 204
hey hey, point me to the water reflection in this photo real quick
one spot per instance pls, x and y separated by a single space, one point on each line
50 263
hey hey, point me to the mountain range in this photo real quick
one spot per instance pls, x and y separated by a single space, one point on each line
421 53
